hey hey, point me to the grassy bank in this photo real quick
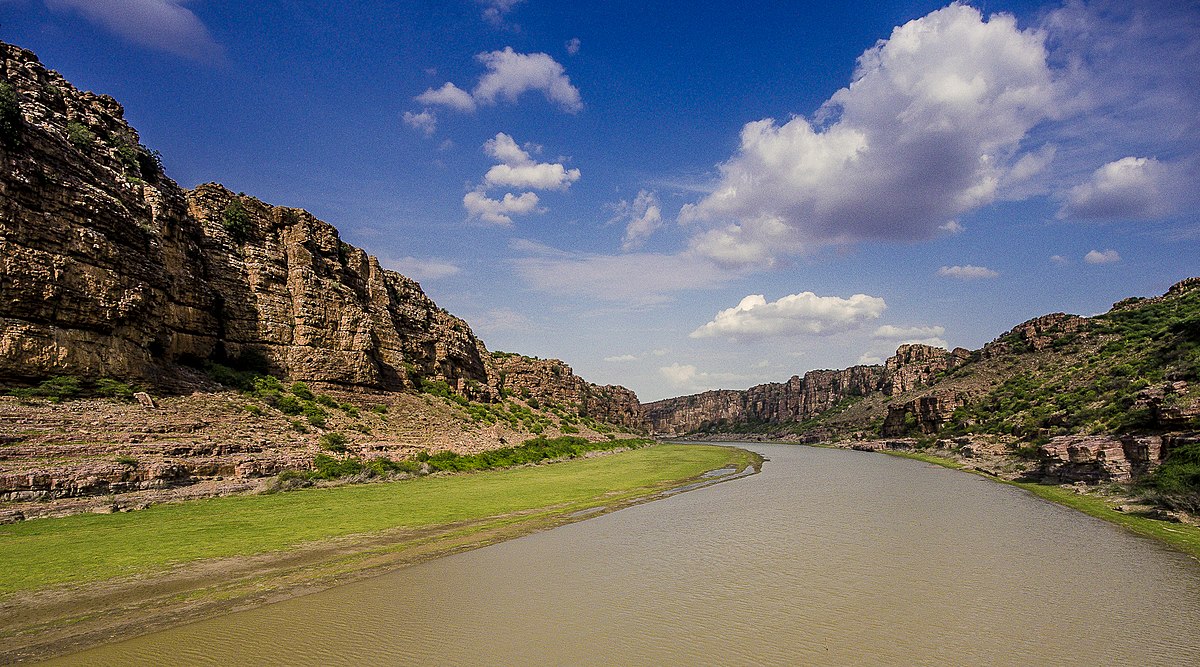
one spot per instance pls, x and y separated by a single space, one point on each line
90 548
1178 536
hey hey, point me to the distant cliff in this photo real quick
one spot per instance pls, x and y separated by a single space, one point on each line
800 398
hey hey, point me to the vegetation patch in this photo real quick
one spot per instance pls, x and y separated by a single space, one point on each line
10 116
91 547
68 387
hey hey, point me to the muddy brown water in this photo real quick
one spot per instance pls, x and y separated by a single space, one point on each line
828 557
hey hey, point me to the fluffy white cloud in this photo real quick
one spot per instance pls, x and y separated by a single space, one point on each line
929 128
165 25
892 332
952 227
425 121
1106 257
967 272
500 211
420 269
642 218
795 314
679 374
448 95
1129 188
509 75
518 169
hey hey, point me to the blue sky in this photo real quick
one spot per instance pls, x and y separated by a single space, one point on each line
683 196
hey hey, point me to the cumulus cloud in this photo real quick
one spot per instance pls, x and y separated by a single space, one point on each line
967 272
519 170
425 121
500 211
1130 188
622 358
420 269
573 45
892 332
1106 257
509 75
448 95
687 376
795 314
165 25
642 218
679 374
929 128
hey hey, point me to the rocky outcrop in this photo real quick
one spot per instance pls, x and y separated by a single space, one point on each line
1037 334
108 268
923 415
552 382
1095 459
916 365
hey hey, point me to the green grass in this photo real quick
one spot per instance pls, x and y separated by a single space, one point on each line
85 548
1178 536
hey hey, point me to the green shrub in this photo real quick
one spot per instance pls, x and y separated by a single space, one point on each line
127 461
79 135
55 389
10 116
380 409
334 442
350 410
109 388
323 399
301 391
299 426
236 221
290 405
254 410
315 416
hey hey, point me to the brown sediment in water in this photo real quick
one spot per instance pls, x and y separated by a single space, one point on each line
36 625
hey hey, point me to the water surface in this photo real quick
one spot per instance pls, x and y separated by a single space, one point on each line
826 557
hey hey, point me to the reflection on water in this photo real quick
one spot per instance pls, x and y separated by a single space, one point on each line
827 557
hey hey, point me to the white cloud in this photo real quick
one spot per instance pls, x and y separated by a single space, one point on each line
499 211
425 121
448 95
622 358
891 332
1059 259
165 25
929 128
1129 188
420 269
502 319
795 314
1106 257
573 45
967 272
510 74
952 227
869 359
517 168
679 374
495 10
642 218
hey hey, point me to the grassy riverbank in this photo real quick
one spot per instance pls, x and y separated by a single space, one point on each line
1178 536
85 548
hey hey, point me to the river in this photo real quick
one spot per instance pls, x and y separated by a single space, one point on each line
827 557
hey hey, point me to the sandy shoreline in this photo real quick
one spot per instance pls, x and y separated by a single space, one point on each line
38 625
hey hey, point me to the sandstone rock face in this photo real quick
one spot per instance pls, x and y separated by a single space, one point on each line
1096 459
802 398
108 268
925 414
1037 334
551 381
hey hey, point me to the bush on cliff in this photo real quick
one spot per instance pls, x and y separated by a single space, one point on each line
1176 483
10 116
236 221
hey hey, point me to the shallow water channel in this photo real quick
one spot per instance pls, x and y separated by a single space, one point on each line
826 557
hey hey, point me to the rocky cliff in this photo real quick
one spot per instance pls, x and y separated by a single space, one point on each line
109 269
551 382
800 398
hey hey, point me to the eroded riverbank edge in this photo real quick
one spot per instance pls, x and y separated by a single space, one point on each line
45 623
